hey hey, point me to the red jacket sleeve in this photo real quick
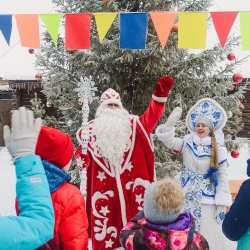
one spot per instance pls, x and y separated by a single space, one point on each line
152 115
74 225
156 107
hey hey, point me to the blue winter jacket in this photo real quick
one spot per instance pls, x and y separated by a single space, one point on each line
35 224
237 221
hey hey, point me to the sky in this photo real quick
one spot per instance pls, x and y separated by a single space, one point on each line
17 63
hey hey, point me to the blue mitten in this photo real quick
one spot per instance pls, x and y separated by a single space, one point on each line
220 214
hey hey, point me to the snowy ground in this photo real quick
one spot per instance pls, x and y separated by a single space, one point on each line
236 171
7 184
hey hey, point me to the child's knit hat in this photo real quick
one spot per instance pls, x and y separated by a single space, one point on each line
54 146
163 201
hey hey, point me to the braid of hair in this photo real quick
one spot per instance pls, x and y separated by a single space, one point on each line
214 160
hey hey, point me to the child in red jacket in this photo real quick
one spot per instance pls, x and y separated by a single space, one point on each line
56 150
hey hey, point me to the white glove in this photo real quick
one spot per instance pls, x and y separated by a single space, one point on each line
22 139
174 117
220 214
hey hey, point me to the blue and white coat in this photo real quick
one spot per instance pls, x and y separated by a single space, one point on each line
194 176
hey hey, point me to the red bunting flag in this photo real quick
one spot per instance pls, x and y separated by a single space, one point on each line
223 22
77 31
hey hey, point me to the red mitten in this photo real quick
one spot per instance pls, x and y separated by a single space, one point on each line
162 88
81 160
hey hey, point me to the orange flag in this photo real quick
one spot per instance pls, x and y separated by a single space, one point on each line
163 22
28 29
223 22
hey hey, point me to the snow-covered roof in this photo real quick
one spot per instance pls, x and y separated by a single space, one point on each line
5 88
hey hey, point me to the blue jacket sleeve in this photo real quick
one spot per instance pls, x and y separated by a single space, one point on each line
35 224
237 220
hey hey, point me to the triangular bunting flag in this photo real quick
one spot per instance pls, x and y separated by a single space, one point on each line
223 22
244 30
28 28
103 23
52 22
6 26
163 22
192 30
77 31
133 30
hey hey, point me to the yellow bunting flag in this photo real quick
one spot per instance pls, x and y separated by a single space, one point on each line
244 29
103 23
192 31
52 22
163 22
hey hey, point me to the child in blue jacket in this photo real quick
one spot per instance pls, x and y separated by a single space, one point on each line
35 224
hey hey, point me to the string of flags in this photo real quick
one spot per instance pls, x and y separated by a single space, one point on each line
192 28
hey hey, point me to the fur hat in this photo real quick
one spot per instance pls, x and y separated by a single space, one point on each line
206 121
163 201
110 96
54 146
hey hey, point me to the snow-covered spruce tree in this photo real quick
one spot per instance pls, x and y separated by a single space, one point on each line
133 73
37 107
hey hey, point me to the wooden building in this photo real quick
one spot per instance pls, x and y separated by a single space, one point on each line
7 103
245 132
17 93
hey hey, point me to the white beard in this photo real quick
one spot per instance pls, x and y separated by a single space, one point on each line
112 130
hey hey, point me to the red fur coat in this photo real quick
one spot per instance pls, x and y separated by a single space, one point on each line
115 196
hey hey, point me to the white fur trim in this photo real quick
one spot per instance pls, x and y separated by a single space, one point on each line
159 99
146 135
121 198
223 199
165 133
78 135
222 153
111 100
207 200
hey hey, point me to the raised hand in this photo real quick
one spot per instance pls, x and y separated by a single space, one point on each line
174 117
163 87
21 140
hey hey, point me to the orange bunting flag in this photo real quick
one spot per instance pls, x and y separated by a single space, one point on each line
77 31
163 22
28 29
223 22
